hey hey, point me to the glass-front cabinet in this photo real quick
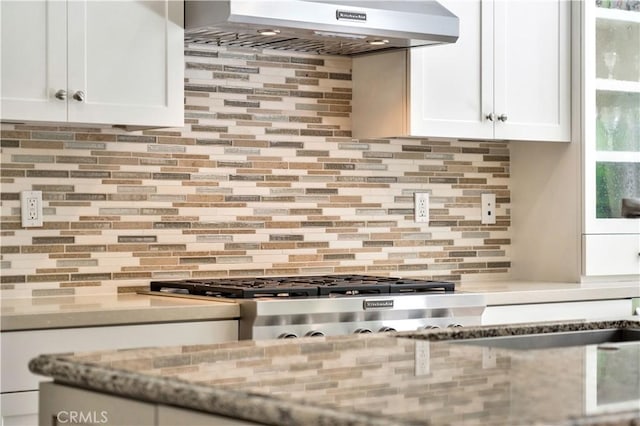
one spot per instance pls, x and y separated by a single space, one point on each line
611 136
612 116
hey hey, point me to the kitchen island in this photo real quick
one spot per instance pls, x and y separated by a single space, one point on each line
381 379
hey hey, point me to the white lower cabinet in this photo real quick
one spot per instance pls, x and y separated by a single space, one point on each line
19 408
61 404
19 386
561 311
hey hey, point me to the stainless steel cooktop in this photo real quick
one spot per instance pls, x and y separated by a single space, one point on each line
298 306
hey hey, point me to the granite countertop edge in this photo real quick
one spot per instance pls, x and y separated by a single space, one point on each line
274 410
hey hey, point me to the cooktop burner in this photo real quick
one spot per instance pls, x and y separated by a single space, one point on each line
302 286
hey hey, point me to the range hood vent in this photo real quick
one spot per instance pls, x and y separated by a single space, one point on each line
326 27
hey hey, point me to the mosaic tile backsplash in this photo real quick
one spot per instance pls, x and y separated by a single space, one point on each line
264 179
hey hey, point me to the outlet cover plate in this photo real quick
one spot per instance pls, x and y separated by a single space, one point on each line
422 357
421 207
31 208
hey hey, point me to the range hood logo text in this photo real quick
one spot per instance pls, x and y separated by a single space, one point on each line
378 304
351 16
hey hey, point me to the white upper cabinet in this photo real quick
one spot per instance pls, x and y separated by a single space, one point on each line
611 138
452 86
507 77
532 70
98 62
611 118
34 66
573 208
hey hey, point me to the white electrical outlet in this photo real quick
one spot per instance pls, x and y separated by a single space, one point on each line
488 209
421 207
31 208
422 358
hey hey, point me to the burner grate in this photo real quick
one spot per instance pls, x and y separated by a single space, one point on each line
351 288
416 286
301 287
240 288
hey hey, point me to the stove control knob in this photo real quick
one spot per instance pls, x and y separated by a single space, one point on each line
428 327
454 325
314 333
287 336
386 329
362 331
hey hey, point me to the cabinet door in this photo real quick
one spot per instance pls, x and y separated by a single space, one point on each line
19 408
532 70
609 255
18 347
67 405
611 117
34 60
126 57
452 85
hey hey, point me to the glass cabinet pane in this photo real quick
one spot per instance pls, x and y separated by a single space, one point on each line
618 121
633 5
617 50
612 116
615 182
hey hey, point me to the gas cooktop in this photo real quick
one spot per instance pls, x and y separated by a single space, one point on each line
302 286
329 305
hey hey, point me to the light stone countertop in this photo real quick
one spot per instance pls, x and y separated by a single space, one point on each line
521 292
102 310
377 379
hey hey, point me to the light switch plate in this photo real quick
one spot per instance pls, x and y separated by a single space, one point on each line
488 208
31 208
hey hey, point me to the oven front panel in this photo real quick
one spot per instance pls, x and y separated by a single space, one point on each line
271 319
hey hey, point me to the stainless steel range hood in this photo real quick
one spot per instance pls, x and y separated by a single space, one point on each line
328 27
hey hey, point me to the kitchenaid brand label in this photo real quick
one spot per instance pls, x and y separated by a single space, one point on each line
378 304
351 16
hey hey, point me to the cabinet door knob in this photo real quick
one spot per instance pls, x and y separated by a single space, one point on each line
490 116
502 117
79 96
61 95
